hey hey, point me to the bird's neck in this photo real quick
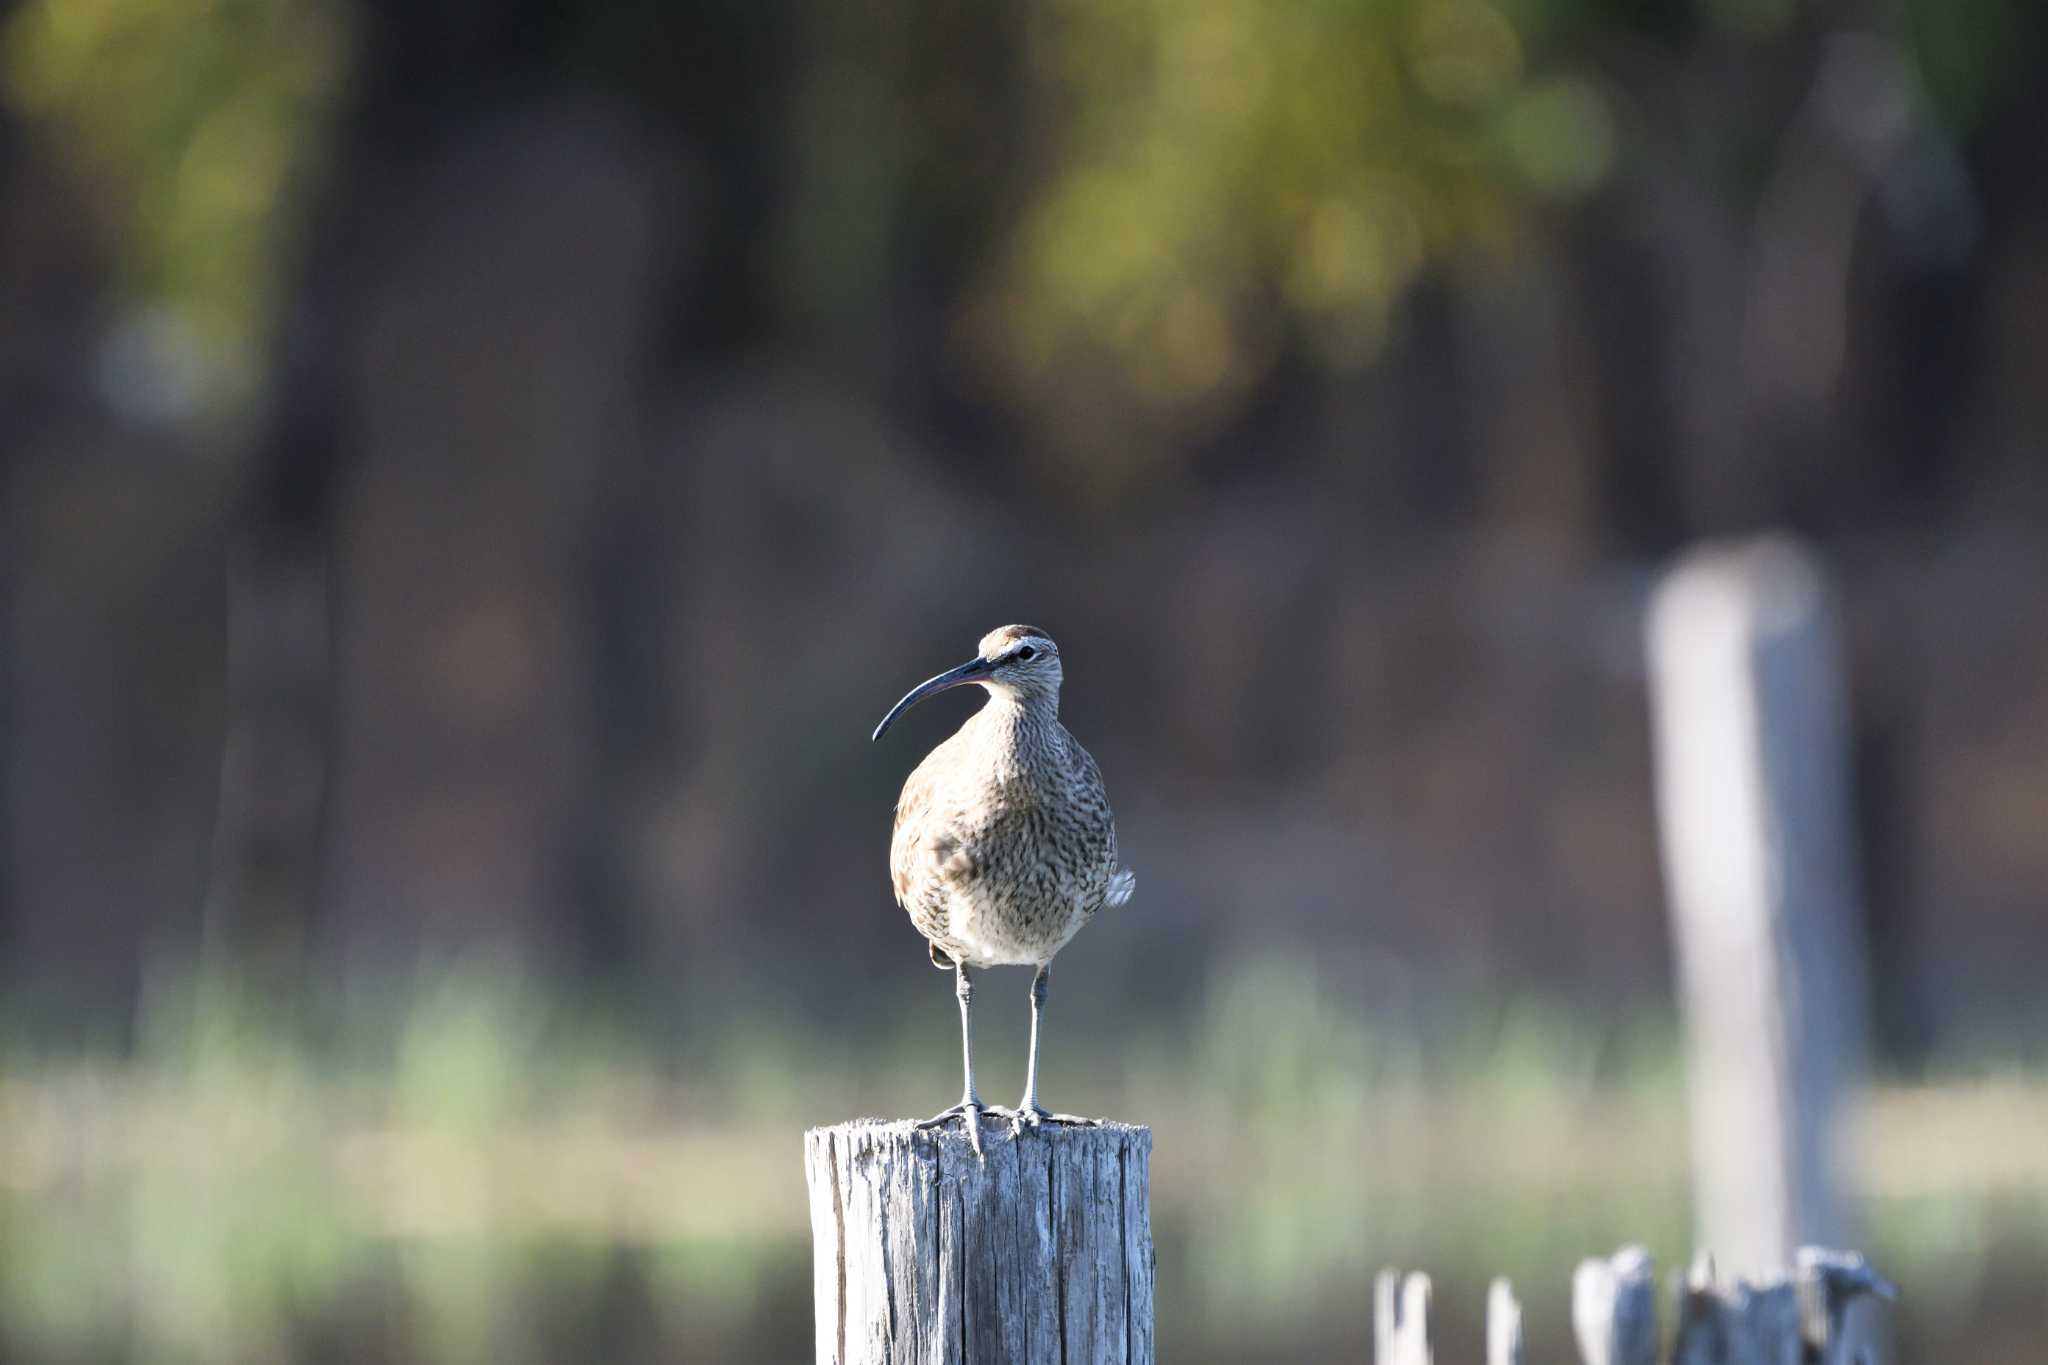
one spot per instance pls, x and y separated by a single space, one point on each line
1015 724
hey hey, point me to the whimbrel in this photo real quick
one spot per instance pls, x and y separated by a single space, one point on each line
1005 845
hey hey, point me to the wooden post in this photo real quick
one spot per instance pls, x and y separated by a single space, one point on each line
1801 1318
1736 1324
925 1254
1831 1284
1400 1319
1753 805
1614 1309
1782 1320
1503 1324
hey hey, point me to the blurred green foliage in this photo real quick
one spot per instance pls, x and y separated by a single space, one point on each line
1970 53
1210 187
1228 178
191 118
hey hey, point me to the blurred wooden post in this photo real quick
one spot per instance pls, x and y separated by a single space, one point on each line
1738 1323
1784 1320
1400 1319
1803 1317
1503 1325
1834 1290
924 1254
1753 804
1614 1309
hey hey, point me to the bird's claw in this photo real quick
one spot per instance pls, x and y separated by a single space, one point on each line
1033 1116
969 1112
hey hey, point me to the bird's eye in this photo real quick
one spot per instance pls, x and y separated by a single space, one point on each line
1026 654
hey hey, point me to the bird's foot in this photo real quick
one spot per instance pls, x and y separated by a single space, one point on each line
1034 1115
969 1113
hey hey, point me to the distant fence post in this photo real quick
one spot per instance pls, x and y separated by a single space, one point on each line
1799 1319
1796 1318
924 1254
1754 808
1614 1309
1400 1321
1503 1324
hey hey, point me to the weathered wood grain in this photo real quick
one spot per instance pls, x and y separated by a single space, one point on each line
924 1254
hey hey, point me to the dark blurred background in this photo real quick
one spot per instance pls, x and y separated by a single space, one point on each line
474 474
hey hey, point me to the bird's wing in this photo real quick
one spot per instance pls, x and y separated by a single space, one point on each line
1117 883
913 809
926 846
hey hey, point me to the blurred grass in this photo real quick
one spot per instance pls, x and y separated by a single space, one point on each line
485 1171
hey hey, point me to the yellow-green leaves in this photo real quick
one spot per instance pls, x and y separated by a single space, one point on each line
190 118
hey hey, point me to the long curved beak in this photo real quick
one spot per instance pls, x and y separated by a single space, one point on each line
972 671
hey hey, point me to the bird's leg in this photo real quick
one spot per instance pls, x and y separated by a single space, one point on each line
1029 1111
969 1108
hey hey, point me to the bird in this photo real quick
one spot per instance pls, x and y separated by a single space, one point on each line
1004 844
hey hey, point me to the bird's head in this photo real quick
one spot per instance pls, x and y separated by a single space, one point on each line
1021 662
